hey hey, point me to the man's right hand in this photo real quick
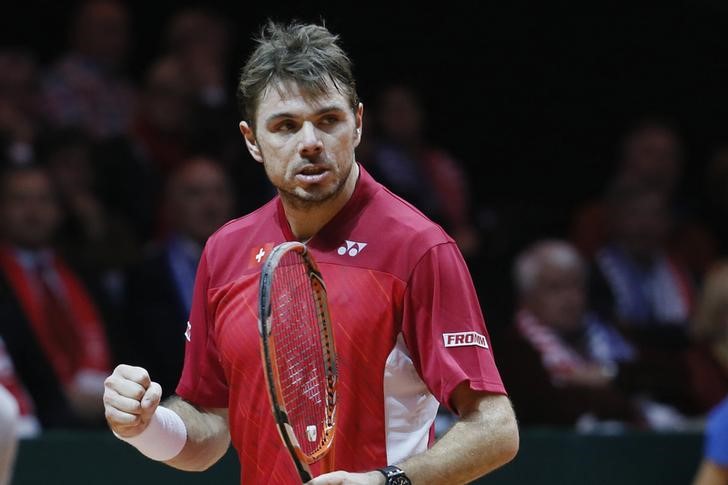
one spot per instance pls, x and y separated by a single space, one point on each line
130 399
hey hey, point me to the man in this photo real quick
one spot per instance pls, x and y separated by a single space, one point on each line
50 325
560 360
88 86
398 291
637 280
198 200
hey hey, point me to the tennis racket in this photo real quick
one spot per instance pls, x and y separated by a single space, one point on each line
297 346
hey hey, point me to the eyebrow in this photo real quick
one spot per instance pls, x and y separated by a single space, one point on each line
319 112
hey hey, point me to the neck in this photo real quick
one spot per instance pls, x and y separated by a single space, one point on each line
308 219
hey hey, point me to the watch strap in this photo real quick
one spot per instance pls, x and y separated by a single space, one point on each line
392 472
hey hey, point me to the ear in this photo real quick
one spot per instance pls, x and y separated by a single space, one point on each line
358 117
250 141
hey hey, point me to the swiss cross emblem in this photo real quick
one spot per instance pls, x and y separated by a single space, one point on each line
258 254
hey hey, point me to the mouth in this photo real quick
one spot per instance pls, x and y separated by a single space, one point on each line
312 174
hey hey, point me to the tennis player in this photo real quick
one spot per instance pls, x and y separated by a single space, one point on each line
408 326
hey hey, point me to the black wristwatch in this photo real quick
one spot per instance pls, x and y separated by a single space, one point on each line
394 476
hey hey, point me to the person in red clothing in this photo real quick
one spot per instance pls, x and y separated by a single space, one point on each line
399 293
51 327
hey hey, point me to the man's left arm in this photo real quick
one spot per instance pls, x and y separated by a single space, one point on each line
483 439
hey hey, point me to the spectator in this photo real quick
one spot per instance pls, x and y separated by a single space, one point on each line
200 40
198 200
95 238
164 125
561 361
708 358
8 435
52 329
88 87
714 468
640 286
638 283
650 153
20 117
426 175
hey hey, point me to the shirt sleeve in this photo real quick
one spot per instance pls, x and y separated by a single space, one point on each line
444 328
716 437
203 381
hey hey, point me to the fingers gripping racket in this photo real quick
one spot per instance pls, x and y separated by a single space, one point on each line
298 352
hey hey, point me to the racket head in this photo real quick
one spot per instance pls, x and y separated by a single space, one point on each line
298 352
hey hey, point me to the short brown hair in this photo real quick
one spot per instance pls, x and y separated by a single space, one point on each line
306 54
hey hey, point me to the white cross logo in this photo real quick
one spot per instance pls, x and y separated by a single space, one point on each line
260 255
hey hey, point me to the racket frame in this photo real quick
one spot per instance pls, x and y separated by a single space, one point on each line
268 351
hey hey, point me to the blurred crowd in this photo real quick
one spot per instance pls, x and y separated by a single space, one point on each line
110 187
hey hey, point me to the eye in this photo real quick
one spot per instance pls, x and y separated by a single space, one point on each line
286 126
329 120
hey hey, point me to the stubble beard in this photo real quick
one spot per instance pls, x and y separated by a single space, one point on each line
302 199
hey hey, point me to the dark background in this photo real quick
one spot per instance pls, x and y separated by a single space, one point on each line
531 96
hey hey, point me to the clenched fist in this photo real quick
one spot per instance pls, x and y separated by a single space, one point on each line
130 399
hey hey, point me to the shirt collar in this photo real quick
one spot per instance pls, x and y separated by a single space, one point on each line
343 220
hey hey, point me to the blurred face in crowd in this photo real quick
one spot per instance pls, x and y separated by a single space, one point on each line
641 224
558 296
652 156
29 209
199 199
199 39
102 32
168 97
306 144
400 115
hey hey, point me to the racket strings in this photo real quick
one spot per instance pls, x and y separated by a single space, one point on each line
299 352
329 352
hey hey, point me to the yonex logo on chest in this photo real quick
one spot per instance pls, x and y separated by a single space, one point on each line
352 248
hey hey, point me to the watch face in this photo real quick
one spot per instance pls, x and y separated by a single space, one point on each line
400 481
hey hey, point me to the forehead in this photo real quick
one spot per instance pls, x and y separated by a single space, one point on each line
291 98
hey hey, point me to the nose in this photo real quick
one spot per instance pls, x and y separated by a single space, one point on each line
310 144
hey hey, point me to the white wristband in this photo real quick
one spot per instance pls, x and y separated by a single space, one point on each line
163 439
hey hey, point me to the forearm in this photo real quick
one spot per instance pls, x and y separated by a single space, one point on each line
208 437
483 440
